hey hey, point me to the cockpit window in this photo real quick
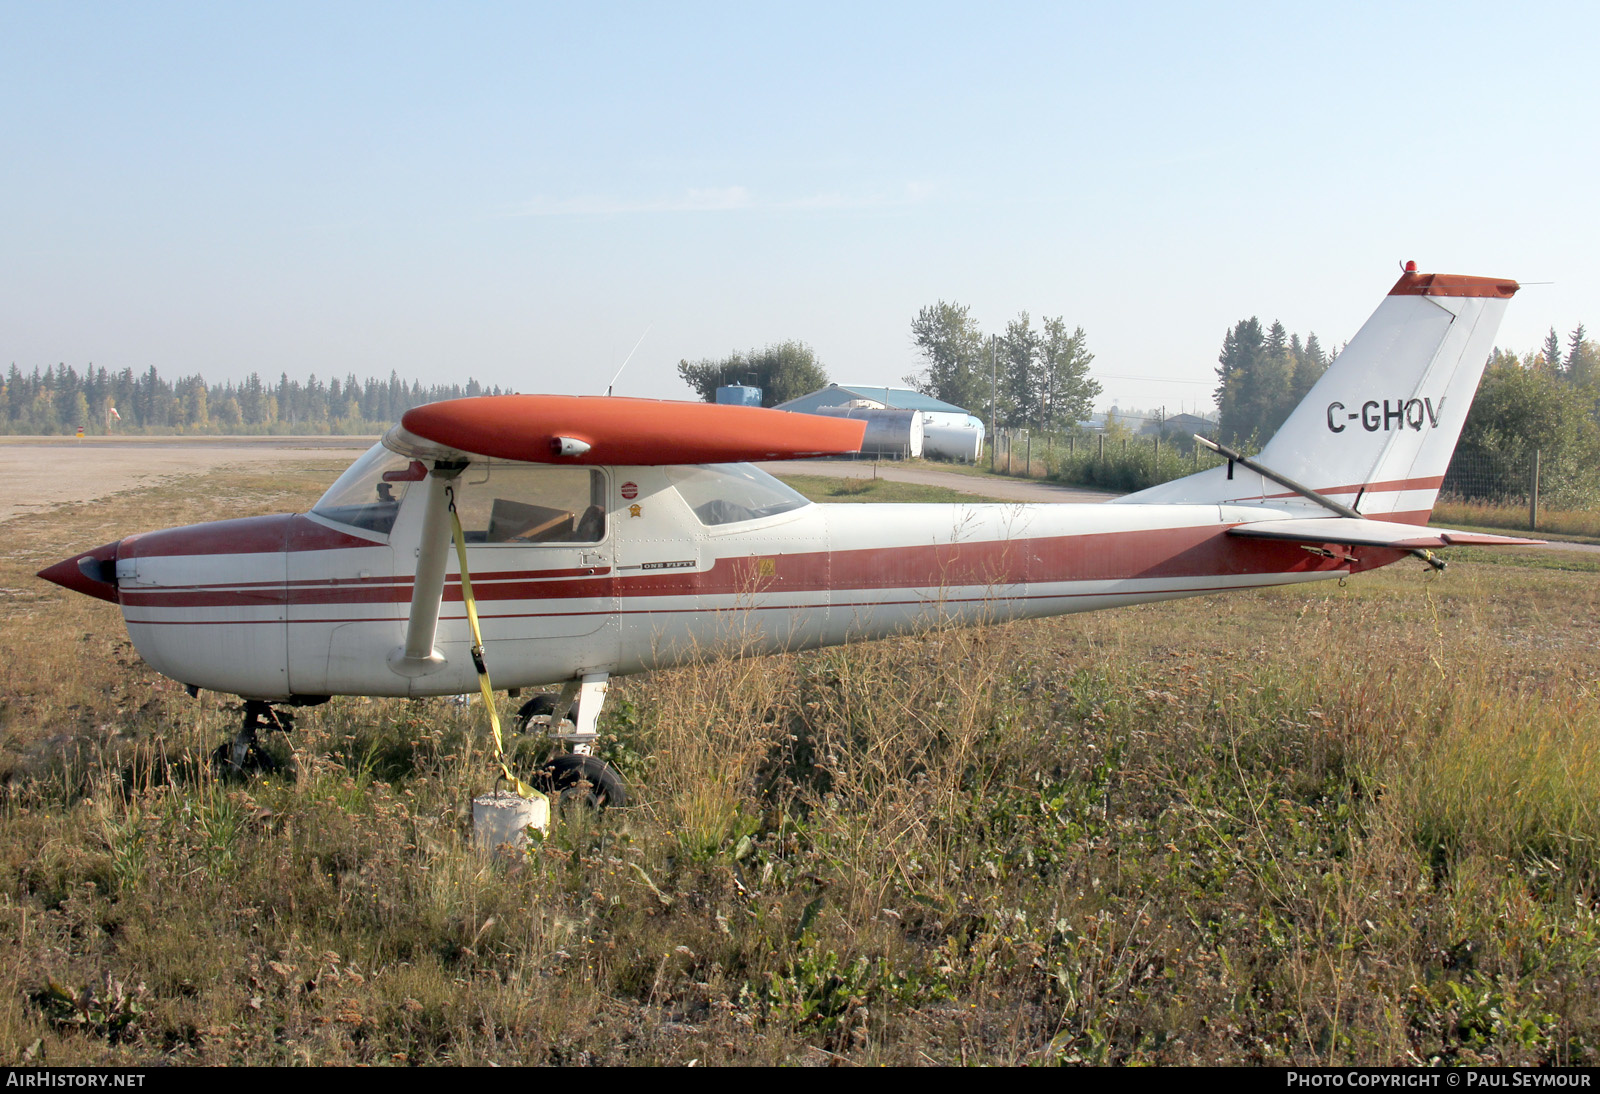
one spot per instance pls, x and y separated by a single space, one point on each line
727 493
369 493
526 503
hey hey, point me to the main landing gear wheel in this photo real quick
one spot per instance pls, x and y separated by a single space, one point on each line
583 780
255 760
244 755
543 706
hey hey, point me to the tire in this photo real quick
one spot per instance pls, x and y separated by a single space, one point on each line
542 706
257 761
586 780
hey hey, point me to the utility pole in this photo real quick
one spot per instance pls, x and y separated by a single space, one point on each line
1533 494
994 398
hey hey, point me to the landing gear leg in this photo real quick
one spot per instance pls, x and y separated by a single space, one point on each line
244 753
580 775
591 695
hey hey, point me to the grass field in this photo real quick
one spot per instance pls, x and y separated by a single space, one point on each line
865 487
1337 825
1553 523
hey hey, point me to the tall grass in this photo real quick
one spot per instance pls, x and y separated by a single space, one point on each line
1125 467
1321 826
1123 464
1584 523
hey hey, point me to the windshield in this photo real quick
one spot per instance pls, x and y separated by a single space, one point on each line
368 495
727 493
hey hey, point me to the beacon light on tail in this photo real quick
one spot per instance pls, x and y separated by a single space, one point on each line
608 536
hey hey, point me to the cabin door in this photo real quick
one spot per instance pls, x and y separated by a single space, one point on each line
539 546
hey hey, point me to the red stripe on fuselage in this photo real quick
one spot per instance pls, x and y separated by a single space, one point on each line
1392 485
1177 553
916 601
452 581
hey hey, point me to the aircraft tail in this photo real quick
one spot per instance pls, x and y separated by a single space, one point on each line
1377 430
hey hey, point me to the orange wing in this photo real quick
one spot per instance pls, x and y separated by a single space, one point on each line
622 431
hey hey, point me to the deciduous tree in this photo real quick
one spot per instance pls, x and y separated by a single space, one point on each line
1067 392
957 361
783 371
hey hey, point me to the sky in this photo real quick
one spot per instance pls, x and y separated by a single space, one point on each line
521 193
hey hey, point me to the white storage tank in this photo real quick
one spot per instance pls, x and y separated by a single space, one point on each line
951 436
894 433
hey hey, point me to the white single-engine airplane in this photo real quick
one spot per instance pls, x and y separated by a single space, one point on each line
606 536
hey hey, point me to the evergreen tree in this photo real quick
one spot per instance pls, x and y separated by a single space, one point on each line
1276 379
1581 362
1264 376
1239 405
1309 366
1552 351
1586 365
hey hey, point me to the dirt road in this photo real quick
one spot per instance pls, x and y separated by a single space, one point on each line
39 473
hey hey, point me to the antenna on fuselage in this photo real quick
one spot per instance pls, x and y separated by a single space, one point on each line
628 358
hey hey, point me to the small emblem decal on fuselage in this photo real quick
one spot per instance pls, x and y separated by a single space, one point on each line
630 490
636 510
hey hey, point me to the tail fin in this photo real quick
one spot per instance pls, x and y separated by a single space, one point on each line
1377 430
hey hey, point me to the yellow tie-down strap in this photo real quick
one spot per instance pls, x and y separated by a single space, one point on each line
521 787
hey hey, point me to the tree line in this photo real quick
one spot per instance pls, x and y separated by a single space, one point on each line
1546 400
1029 376
59 400
1262 376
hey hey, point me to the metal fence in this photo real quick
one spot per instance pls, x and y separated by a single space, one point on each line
1491 475
1477 475
1122 462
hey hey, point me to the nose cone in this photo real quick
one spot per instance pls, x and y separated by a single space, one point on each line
93 574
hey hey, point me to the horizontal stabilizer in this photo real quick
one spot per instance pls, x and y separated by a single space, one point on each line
1356 532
